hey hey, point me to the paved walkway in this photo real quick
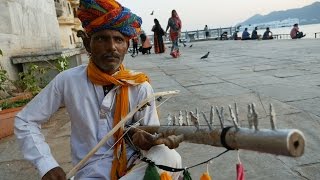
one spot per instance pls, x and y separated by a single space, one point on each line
285 73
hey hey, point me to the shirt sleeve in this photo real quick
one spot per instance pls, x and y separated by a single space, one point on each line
28 125
149 115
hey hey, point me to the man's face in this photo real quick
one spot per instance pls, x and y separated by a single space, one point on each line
108 48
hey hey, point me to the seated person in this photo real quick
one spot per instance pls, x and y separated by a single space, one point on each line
224 36
267 34
245 34
295 33
235 36
146 45
255 33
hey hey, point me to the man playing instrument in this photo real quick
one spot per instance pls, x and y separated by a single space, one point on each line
96 96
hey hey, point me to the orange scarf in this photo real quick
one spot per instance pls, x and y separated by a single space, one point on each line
123 78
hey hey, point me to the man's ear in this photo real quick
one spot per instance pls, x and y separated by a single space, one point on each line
86 43
85 39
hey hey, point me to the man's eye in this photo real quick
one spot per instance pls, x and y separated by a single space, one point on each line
119 39
99 39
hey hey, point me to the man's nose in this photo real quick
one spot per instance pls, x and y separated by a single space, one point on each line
111 45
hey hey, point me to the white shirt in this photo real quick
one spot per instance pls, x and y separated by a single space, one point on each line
91 114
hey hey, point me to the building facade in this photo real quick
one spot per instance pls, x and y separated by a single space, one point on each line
69 24
38 32
27 27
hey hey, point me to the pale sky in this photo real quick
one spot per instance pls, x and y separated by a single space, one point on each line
195 14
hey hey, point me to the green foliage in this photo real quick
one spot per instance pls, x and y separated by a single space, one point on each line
3 78
63 64
19 103
32 79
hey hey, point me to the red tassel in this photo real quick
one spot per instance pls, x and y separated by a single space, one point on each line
240 172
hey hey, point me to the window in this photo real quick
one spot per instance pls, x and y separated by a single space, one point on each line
74 39
70 39
69 8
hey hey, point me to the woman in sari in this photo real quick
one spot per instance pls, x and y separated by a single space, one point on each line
158 40
175 24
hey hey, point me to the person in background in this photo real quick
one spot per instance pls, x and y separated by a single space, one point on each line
97 96
158 37
295 33
224 36
254 34
135 41
235 35
267 34
174 23
245 34
206 30
146 45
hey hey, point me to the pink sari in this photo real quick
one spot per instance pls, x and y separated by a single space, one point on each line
175 31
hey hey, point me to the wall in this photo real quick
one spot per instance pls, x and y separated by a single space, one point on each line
27 26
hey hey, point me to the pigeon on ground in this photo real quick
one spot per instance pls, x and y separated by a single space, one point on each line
205 56
152 12
184 45
191 45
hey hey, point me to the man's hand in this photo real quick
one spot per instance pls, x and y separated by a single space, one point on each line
143 140
56 173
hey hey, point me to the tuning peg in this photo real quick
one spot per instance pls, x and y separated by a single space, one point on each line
220 116
233 117
180 118
169 120
194 120
211 115
187 118
250 116
255 117
197 113
237 113
205 118
174 120
272 118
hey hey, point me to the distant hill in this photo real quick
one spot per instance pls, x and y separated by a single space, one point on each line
307 15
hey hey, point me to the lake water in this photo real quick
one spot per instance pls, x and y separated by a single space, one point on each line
309 30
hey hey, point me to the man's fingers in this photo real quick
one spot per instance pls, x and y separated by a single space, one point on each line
56 173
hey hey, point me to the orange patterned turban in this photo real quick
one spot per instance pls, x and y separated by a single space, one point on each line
97 15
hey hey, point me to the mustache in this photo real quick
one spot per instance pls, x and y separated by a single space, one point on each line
111 55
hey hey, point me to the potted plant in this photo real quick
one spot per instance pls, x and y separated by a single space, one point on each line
14 95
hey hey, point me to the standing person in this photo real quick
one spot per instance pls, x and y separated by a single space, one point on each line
245 34
254 34
97 96
295 33
158 37
135 41
267 34
175 24
206 30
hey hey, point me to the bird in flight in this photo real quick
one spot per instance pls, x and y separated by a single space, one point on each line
152 12
205 56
